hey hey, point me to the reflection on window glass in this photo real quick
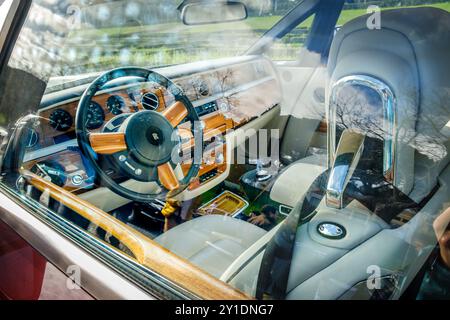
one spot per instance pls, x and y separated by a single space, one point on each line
353 9
126 134
288 47
81 38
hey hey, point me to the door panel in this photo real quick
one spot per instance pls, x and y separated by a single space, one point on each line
26 275
21 267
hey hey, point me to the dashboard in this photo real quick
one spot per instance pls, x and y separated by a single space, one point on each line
226 94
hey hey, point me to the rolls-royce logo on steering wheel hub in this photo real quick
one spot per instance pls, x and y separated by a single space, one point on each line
155 136
148 137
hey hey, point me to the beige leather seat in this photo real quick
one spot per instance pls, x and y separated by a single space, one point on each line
295 180
211 242
411 58
408 56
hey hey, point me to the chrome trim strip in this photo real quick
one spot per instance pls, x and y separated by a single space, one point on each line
284 209
389 115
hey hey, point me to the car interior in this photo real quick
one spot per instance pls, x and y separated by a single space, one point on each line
348 145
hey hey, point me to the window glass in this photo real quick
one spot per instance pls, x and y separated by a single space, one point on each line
288 47
156 146
61 49
355 106
81 38
358 8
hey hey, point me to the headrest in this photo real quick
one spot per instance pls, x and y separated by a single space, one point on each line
410 56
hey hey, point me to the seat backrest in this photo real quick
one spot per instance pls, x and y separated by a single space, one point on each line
393 84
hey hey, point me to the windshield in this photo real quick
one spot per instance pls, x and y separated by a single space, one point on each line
78 39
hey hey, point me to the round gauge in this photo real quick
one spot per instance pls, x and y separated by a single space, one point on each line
60 120
32 138
224 106
95 116
115 104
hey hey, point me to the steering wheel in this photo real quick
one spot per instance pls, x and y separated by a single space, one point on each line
146 145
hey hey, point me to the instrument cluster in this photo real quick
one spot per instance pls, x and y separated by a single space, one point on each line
62 120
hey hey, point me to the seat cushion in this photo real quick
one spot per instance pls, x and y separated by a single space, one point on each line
211 242
296 179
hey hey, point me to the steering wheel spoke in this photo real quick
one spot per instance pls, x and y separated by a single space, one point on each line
108 142
167 177
175 113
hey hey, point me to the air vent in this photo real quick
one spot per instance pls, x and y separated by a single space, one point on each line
203 88
150 101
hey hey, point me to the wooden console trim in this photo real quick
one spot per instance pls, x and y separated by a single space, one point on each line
146 251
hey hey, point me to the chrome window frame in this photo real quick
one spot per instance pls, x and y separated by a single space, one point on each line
389 105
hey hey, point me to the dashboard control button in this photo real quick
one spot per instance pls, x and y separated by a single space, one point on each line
77 180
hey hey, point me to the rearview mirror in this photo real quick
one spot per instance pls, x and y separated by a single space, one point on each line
216 12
